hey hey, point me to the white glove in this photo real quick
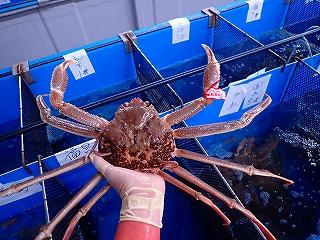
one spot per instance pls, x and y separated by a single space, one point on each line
142 193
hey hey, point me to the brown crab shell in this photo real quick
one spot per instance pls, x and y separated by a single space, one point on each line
137 138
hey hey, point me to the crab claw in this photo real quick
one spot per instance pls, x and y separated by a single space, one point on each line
211 79
59 81
211 75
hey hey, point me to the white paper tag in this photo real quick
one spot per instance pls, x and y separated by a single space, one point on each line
234 99
254 11
23 194
252 93
82 66
253 75
180 29
308 1
255 91
75 152
4 1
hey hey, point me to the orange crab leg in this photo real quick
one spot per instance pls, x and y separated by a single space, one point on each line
228 201
222 127
250 170
211 78
195 194
72 127
59 83
15 188
83 211
47 230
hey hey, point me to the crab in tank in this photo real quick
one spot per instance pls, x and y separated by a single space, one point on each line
138 139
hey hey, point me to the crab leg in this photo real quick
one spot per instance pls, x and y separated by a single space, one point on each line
222 127
15 188
250 170
211 78
83 211
59 83
72 127
195 194
228 201
47 230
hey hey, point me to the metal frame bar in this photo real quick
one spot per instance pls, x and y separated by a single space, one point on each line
149 86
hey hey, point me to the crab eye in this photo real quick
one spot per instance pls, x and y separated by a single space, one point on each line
147 103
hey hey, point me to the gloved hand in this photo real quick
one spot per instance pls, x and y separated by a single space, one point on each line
142 193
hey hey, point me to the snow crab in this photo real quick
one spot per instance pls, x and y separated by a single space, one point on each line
137 138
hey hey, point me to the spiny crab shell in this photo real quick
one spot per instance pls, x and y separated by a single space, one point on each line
137 138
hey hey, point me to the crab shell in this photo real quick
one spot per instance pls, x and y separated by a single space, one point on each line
137 138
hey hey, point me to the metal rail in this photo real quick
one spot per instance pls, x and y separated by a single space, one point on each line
256 50
23 160
44 195
149 86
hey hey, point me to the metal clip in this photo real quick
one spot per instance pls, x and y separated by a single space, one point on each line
23 70
126 37
43 3
213 16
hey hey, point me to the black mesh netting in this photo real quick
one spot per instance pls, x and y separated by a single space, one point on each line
58 196
301 15
300 105
147 73
36 141
304 15
230 41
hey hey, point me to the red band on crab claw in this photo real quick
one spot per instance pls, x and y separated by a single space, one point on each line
214 93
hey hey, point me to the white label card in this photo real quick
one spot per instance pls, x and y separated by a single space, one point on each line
82 66
4 1
254 11
253 75
234 99
23 194
252 93
180 29
75 152
255 91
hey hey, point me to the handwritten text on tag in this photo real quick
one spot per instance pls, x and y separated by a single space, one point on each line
255 91
74 153
234 99
23 194
249 93
254 11
82 66
180 29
